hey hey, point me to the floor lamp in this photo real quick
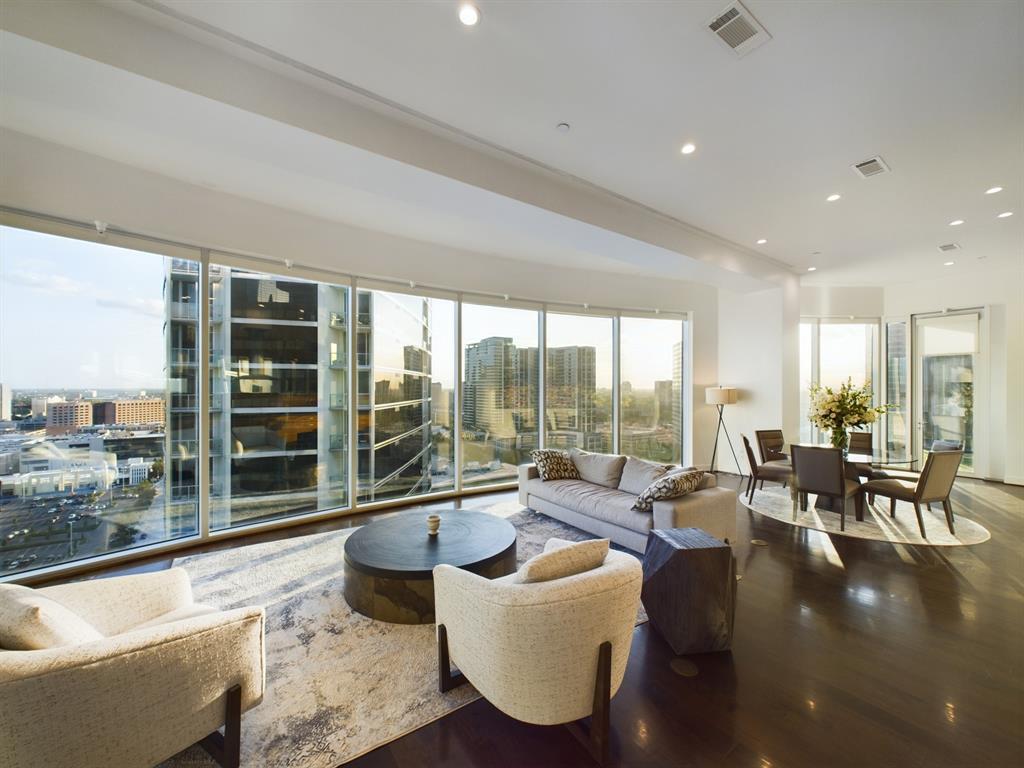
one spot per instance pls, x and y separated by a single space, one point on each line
721 397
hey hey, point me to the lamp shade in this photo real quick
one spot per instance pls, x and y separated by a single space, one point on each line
720 395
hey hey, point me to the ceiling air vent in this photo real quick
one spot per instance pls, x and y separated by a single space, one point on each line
738 29
949 247
870 167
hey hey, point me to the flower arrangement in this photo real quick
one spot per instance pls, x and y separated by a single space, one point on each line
839 410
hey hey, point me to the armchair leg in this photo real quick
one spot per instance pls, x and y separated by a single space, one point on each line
445 679
948 507
226 748
920 520
596 741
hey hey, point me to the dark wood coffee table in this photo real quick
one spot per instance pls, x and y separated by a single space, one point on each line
389 563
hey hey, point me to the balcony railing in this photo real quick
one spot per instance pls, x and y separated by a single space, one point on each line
184 310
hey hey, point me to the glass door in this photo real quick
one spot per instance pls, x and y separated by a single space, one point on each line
946 371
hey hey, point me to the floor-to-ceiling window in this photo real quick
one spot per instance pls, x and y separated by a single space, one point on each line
578 382
832 352
405 387
278 396
500 391
651 388
897 419
98 399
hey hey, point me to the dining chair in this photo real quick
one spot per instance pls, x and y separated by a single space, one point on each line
821 470
934 484
862 441
946 445
769 444
779 471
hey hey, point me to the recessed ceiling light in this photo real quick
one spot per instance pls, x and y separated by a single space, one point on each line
468 14
812 269
993 190
956 222
688 148
762 241
1005 215
948 263
563 127
833 197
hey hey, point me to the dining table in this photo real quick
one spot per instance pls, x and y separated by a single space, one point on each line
853 461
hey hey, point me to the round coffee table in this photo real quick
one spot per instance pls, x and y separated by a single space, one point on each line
389 563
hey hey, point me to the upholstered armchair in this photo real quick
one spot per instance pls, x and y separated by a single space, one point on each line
545 651
124 671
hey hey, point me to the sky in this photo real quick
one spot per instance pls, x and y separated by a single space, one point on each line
81 315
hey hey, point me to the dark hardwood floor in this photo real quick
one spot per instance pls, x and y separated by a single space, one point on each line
846 653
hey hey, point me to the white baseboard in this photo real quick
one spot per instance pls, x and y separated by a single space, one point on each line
1013 480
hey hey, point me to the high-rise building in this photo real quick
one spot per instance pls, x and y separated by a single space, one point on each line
664 398
40 405
569 398
66 418
5 402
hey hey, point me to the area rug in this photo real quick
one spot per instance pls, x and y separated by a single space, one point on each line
338 684
877 525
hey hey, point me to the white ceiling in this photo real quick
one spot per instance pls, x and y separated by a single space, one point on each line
936 88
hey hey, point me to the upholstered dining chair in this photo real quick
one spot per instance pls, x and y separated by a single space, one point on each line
862 442
125 671
778 471
934 484
769 445
821 470
547 644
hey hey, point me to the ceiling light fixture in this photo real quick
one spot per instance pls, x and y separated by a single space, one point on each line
948 263
833 197
468 14
1005 215
993 190
812 269
563 127
762 241
688 148
956 222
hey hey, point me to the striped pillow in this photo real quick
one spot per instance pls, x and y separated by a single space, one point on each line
671 486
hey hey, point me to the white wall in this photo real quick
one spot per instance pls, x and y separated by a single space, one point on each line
1002 296
841 301
46 178
758 354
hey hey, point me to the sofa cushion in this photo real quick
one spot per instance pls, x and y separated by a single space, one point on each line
637 474
598 468
671 486
607 504
178 614
554 465
563 558
29 621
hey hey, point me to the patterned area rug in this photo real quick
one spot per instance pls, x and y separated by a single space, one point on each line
777 504
338 684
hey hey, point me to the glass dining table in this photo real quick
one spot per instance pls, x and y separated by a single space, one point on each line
855 461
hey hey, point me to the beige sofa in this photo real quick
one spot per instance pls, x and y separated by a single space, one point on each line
603 507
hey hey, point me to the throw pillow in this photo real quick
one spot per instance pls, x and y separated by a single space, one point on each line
671 486
562 558
638 474
30 621
554 465
598 468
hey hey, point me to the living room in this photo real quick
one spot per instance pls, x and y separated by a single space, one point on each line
528 384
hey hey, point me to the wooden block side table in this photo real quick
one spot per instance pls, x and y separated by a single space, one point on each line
689 589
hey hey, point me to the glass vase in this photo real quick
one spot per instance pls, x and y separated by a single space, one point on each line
840 439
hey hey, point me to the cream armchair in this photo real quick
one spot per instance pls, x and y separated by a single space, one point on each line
164 673
547 652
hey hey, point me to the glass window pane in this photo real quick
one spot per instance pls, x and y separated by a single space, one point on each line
97 401
500 392
278 396
578 387
897 418
651 399
406 359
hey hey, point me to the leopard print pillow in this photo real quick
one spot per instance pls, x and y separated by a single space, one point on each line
554 465
669 486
